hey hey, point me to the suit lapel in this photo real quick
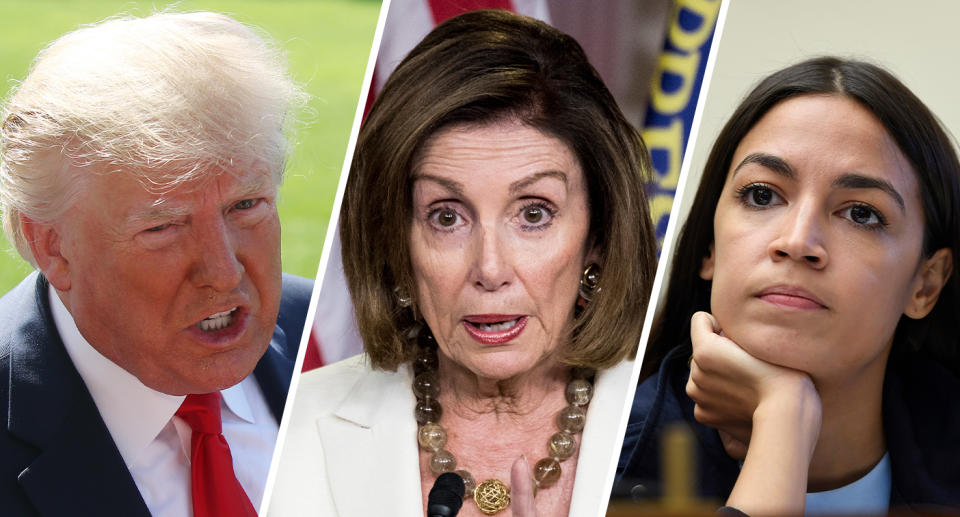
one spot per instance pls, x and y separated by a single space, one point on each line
274 370
370 441
78 469
82 467
599 447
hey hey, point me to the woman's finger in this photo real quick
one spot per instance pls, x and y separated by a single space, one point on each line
702 325
521 495
704 322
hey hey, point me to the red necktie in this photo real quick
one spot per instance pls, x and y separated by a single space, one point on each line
216 491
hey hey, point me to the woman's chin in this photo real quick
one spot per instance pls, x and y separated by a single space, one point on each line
500 366
498 370
787 347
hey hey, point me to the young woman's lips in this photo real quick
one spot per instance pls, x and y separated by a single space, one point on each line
791 297
494 329
221 329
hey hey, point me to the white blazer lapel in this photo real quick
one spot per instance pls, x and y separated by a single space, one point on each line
602 438
370 443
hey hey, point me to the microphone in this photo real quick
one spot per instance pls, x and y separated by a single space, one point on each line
446 496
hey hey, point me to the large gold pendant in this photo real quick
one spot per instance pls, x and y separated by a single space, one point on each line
491 496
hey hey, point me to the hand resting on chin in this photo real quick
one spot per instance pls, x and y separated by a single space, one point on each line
767 415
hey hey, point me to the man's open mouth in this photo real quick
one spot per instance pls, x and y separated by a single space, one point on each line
218 321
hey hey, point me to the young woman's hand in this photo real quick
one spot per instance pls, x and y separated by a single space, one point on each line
727 383
766 414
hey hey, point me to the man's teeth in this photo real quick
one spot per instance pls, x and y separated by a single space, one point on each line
217 321
496 327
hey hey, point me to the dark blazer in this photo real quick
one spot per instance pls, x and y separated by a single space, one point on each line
921 423
56 454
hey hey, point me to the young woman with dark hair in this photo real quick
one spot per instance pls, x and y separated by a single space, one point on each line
809 329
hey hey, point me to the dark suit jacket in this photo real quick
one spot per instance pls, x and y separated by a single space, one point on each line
56 454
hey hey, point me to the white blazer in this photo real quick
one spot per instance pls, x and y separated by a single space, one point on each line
351 448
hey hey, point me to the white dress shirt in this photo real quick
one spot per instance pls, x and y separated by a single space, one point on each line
155 444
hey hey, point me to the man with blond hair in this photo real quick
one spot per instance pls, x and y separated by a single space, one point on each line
144 365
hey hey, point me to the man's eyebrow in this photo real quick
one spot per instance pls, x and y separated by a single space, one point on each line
165 209
159 211
254 187
448 184
768 161
859 181
520 184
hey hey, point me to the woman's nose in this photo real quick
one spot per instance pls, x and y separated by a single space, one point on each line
491 270
801 237
216 261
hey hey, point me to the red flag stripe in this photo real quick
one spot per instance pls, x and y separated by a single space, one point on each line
313 358
444 9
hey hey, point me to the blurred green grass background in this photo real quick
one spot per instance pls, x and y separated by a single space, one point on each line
327 43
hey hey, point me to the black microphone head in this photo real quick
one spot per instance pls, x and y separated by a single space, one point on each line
446 496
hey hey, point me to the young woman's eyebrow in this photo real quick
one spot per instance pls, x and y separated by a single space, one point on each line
859 181
850 180
768 161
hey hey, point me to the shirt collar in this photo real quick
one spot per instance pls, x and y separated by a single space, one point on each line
236 401
133 412
868 495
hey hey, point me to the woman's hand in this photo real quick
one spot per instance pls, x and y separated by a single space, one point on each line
727 383
767 414
522 493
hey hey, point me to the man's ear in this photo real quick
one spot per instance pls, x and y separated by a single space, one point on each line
46 245
706 267
932 275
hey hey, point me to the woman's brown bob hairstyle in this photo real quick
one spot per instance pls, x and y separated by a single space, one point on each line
920 138
480 68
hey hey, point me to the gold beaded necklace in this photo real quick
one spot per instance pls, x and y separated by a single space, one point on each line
492 495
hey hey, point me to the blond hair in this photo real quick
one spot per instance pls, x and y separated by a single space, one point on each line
168 98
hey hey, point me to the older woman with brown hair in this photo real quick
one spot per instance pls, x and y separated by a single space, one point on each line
499 251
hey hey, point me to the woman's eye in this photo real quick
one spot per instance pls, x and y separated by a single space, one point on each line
533 214
757 195
762 196
444 218
447 218
864 215
536 216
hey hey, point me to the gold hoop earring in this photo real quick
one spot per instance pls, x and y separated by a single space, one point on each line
403 299
590 282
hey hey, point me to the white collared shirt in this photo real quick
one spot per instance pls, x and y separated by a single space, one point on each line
154 444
